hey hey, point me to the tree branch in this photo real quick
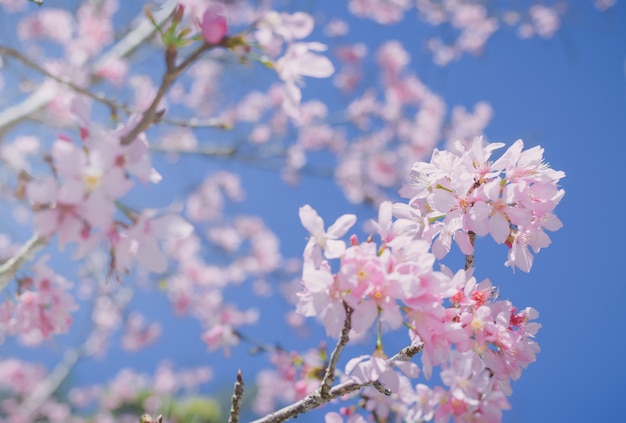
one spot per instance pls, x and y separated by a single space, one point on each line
235 407
469 259
33 65
151 115
329 375
24 254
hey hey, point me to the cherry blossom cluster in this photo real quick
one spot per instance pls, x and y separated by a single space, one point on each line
244 247
480 343
462 192
80 201
299 58
41 308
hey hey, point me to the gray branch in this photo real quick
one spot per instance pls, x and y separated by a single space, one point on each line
44 390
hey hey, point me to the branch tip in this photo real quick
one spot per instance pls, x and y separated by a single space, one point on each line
235 408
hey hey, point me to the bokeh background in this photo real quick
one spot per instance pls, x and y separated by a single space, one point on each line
567 94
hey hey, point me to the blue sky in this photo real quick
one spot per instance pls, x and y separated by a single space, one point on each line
567 94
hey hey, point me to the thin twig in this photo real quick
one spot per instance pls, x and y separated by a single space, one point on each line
197 123
257 159
259 346
329 375
235 407
33 65
209 151
152 115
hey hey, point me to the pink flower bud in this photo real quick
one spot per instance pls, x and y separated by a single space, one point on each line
214 26
178 13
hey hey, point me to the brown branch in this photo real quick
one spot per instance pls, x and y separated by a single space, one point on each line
406 353
469 259
235 408
152 115
258 345
329 375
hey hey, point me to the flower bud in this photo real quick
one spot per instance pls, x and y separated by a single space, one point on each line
213 26
178 13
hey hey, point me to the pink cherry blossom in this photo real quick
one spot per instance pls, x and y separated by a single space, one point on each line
42 309
511 198
141 241
301 59
326 241
138 333
275 28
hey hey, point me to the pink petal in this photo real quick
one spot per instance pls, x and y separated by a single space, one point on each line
463 241
499 228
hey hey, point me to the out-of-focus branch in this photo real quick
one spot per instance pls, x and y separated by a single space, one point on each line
24 254
235 408
197 123
33 65
406 353
152 115
46 388
209 151
141 32
258 346
45 94
257 160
